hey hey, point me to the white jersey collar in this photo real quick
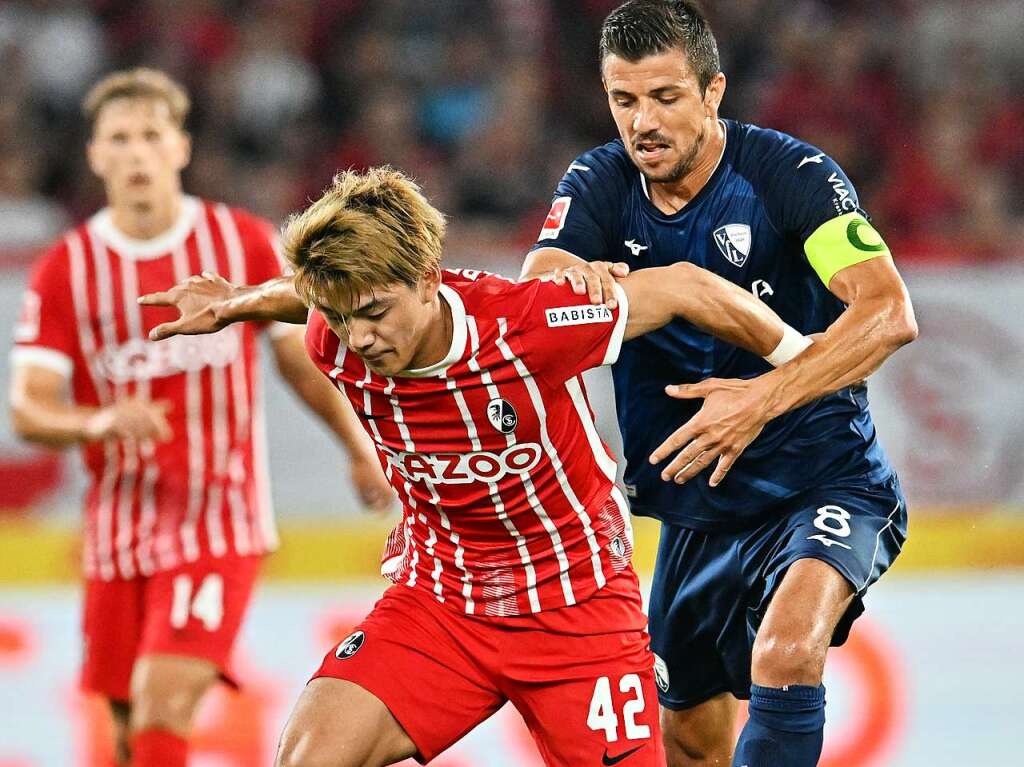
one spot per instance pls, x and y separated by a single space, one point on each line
458 346
102 225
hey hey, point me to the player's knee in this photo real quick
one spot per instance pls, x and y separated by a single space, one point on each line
306 750
780 659
689 751
167 695
697 741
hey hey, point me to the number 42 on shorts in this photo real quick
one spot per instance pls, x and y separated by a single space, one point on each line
603 716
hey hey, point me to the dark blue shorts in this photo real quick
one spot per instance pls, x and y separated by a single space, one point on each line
711 590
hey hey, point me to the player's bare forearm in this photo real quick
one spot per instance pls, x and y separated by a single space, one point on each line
50 426
41 412
717 306
271 301
879 319
207 303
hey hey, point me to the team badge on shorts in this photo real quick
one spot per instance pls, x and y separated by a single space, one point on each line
502 415
350 646
734 242
618 546
660 673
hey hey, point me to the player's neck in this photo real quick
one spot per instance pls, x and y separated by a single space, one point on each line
144 221
437 340
672 197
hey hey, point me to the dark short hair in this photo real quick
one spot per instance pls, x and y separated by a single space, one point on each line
639 28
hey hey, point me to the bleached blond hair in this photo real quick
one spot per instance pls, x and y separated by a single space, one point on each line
366 231
138 83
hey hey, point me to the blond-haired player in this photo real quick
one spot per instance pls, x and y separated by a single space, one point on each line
511 570
177 514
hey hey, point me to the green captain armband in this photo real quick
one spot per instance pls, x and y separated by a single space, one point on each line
842 242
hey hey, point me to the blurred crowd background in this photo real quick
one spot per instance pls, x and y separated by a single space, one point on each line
486 101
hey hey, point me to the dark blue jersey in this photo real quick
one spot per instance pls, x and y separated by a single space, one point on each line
748 224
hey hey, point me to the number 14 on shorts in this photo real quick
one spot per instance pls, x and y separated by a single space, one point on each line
603 716
205 603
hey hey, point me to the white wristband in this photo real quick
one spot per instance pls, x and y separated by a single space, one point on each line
790 346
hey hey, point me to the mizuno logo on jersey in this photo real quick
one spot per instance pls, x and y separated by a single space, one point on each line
816 158
564 316
463 468
734 242
577 166
634 247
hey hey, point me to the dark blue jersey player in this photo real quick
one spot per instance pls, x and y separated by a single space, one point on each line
779 507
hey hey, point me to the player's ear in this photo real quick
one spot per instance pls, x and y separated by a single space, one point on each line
186 150
429 284
94 156
713 95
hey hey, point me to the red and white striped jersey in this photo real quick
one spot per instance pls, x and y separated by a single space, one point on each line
152 506
508 492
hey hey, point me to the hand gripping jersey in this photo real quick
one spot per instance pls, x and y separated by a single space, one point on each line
508 495
770 200
151 507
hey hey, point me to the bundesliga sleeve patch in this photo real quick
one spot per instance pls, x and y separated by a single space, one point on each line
556 218
563 316
844 241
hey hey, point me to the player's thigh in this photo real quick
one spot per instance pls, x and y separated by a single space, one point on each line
425 663
337 723
701 735
603 708
196 610
698 617
112 626
844 537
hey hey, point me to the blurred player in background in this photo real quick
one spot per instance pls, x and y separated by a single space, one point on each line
759 570
177 514
511 566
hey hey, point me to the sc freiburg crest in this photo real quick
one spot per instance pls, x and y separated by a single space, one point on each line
502 415
734 242
350 646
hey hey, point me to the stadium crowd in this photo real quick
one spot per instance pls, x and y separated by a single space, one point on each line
486 101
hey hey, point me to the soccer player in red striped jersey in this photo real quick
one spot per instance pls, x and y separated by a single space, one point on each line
511 571
177 514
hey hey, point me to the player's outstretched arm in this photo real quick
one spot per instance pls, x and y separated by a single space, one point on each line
208 302
685 291
879 319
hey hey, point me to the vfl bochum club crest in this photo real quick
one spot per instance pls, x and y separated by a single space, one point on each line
502 415
734 242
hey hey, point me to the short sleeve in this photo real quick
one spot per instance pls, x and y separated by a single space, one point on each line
46 331
562 334
803 186
811 199
586 208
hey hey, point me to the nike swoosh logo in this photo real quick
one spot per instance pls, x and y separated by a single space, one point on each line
608 761
811 158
